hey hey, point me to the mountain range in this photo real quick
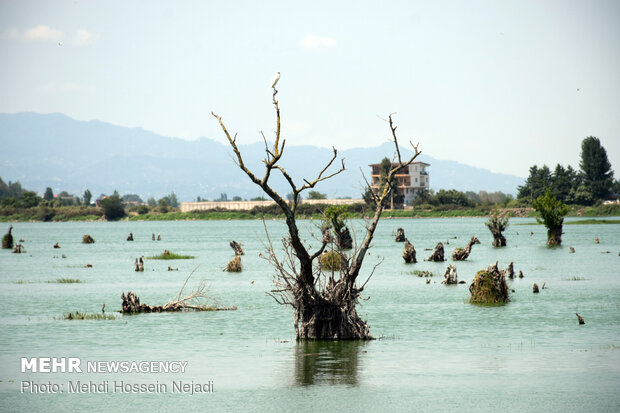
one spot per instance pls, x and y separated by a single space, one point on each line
54 150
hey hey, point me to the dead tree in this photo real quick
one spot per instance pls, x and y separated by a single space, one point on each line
409 253
324 307
236 247
400 235
497 223
450 277
437 255
195 300
461 254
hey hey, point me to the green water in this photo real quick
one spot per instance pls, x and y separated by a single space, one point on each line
435 351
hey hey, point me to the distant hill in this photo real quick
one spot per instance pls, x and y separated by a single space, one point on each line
66 154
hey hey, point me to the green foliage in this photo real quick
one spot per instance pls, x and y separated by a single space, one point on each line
83 316
237 198
132 198
167 255
87 197
113 208
170 200
151 202
595 168
65 281
336 216
497 221
551 210
258 198
536 183
49 194
142 209
163 206
593 222
332 260
580 195
316 195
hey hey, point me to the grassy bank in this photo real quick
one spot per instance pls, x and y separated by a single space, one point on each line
73 213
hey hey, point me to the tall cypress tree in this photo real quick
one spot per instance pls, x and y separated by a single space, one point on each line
595 168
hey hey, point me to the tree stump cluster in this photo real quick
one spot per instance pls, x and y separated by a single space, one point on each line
400 235
438 254
489 287
87 239
139 265
409 253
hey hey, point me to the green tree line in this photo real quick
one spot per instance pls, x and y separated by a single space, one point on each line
594 181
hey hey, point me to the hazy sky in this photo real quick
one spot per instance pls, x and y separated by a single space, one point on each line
496 84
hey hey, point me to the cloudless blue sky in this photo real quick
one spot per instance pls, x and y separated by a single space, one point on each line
497 84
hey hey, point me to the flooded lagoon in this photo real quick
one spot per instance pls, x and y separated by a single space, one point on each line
434 351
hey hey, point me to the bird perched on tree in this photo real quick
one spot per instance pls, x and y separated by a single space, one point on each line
275 80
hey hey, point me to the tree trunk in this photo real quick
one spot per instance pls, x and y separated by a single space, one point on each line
554 236
329 314
438 254
400 235
409 253
498 238
344 240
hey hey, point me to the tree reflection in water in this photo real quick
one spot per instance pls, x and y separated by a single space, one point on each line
327 362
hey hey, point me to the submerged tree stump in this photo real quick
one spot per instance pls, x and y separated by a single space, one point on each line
510 270
343 239
438 254
87 239
234 265
489 287
450 277
497 223
409 253
554 236
130 237
19 248
7 240
461 254
57 245
400 235
535 288
580 318
236 247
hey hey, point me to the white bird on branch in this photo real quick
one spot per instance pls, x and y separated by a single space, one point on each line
275 80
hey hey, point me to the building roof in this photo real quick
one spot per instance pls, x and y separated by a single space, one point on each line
395 164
